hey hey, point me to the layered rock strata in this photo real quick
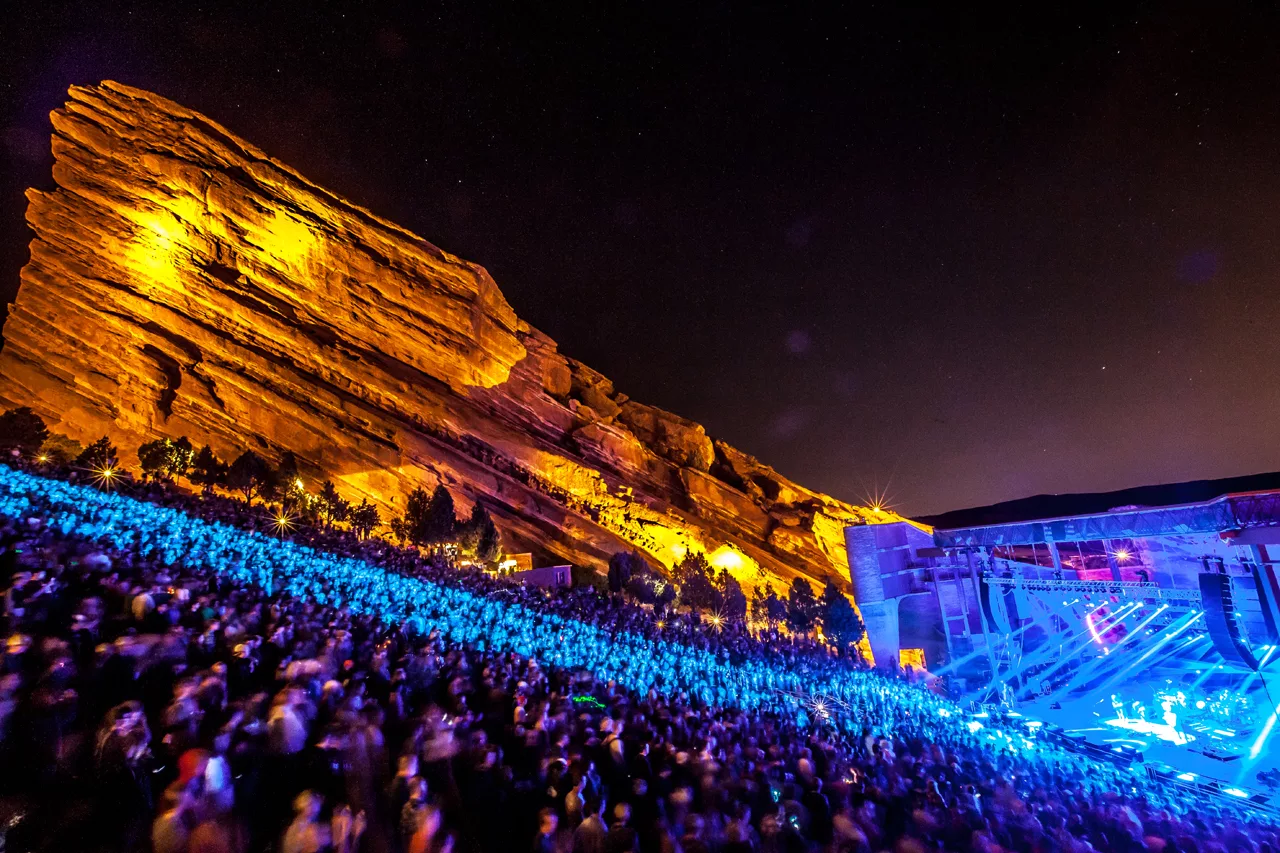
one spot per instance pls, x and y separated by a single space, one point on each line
182 282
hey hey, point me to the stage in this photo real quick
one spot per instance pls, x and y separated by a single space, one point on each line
1196 753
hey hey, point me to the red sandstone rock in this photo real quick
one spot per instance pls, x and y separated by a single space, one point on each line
182 282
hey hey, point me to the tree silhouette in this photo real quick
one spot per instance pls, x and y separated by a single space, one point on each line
478 536
207 470
413 526
364 518
733 601
165 459
251 475
99 456
441 522
331 505
22 430
289 487
697 582
802 607
59 449
623 566
489 548
840 622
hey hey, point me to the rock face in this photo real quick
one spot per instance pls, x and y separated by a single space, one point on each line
182 282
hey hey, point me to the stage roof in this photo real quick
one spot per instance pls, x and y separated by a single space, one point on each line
1202 507
1061 506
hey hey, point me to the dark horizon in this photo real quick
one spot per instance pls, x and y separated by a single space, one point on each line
958 259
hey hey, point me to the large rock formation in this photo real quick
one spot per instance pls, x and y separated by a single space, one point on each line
182 282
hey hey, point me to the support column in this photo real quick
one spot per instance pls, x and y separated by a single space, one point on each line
1057 559
986 629
1111 560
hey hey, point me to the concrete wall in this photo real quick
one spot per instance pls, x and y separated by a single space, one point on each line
880 558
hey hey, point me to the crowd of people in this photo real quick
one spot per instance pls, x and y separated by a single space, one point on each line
179 676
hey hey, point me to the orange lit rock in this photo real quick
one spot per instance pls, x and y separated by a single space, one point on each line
674 438
182 282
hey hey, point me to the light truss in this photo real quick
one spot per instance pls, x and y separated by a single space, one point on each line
1128 589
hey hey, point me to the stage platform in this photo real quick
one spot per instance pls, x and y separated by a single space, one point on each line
1196 754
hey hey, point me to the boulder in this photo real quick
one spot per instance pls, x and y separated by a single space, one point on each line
670 436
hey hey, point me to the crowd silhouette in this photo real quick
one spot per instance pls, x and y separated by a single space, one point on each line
179 676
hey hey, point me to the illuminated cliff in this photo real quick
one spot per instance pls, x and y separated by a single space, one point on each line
183 282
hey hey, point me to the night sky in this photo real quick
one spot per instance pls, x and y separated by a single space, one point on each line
957 258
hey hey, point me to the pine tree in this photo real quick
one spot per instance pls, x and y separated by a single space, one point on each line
733 601
477 536
207 470
697 582
290 489
775 607
181 456
412 526
620 571
489 549
802 607
759 607
331 505
840 622
151 457
400 530
441 522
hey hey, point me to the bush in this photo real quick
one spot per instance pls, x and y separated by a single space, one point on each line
586 576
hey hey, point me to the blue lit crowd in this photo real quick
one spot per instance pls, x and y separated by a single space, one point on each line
174 679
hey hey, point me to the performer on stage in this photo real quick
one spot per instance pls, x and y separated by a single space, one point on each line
1118 706
1170 718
